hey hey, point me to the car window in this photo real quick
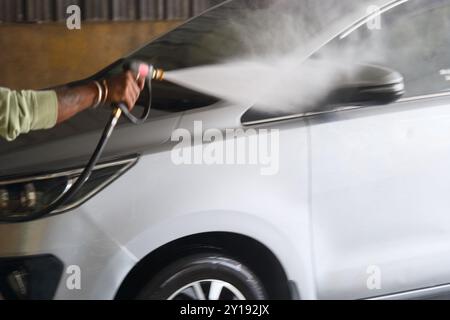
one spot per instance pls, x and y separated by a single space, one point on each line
412 38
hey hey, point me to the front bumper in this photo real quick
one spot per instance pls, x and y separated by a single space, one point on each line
33 277
77 247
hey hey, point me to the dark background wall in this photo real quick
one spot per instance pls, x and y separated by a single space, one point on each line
38 51
102 10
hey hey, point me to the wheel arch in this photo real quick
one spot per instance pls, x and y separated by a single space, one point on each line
255 255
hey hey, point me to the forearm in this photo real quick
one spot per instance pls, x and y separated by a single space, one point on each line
71 101
24 111
120 88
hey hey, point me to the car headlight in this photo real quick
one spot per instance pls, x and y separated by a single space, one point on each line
21 197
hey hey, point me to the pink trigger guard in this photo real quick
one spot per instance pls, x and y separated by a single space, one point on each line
144 70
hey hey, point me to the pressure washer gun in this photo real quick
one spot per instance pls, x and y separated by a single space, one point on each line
139 69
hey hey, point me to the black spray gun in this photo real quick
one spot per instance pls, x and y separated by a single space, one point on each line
139 69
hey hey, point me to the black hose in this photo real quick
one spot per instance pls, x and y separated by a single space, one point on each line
132 118
86 174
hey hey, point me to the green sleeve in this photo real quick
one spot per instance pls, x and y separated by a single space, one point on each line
24 111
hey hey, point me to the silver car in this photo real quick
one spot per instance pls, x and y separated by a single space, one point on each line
358 205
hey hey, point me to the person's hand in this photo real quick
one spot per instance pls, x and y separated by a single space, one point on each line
125 88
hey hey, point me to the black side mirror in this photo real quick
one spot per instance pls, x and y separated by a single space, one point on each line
361 85
368 85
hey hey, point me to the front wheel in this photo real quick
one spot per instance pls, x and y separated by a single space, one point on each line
204 277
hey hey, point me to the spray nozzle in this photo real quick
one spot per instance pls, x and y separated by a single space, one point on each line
157 74
143 69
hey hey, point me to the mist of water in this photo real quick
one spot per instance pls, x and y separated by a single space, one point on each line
275 71
277 83
272 71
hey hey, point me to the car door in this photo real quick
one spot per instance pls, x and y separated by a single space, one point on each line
381 176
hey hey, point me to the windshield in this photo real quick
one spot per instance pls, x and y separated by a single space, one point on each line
239 31
243 29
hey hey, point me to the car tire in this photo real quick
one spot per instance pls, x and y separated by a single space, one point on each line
204 277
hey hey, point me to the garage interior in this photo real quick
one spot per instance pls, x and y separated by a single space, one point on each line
38 40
